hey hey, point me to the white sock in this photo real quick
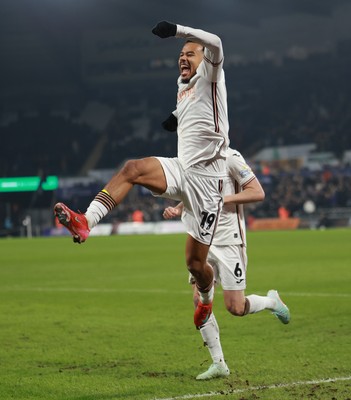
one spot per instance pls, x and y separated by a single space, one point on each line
210 336
207 297
259 303
99 207
95 212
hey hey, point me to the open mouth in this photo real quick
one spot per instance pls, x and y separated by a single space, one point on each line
185 70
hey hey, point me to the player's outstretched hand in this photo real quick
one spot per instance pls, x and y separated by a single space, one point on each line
170 124
164 29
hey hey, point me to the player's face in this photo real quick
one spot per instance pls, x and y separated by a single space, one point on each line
189 59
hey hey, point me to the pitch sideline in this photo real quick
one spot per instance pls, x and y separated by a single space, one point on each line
269 387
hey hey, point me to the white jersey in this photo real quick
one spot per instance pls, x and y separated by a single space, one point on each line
202 106
231 225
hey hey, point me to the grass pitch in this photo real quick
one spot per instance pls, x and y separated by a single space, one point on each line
112 319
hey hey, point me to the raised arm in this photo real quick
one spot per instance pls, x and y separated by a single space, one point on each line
213 50
211 42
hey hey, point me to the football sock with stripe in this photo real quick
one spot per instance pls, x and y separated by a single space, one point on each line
99 208
206 295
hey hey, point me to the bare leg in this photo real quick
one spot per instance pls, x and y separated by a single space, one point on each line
236 302
196 259
239 305
146 172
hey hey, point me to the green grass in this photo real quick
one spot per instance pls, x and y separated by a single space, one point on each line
112 319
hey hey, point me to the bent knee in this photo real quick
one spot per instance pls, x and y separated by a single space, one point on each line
194 266
131 170
238 310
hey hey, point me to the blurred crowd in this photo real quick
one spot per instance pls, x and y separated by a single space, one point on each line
286 195
296 102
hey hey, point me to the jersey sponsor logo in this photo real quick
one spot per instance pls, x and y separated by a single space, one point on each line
239 280
186 93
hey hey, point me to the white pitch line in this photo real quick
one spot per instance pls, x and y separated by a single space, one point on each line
236 391
315 294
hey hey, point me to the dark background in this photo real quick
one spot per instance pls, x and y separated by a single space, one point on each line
84 85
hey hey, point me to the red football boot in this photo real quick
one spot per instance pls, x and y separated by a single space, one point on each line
76 223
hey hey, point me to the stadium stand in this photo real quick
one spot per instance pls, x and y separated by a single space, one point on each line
291 103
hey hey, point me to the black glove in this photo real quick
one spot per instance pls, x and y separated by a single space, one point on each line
164 29
170 124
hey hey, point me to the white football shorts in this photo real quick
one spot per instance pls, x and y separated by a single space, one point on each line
201 195
229 265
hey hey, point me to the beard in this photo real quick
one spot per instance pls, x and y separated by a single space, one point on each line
187 80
